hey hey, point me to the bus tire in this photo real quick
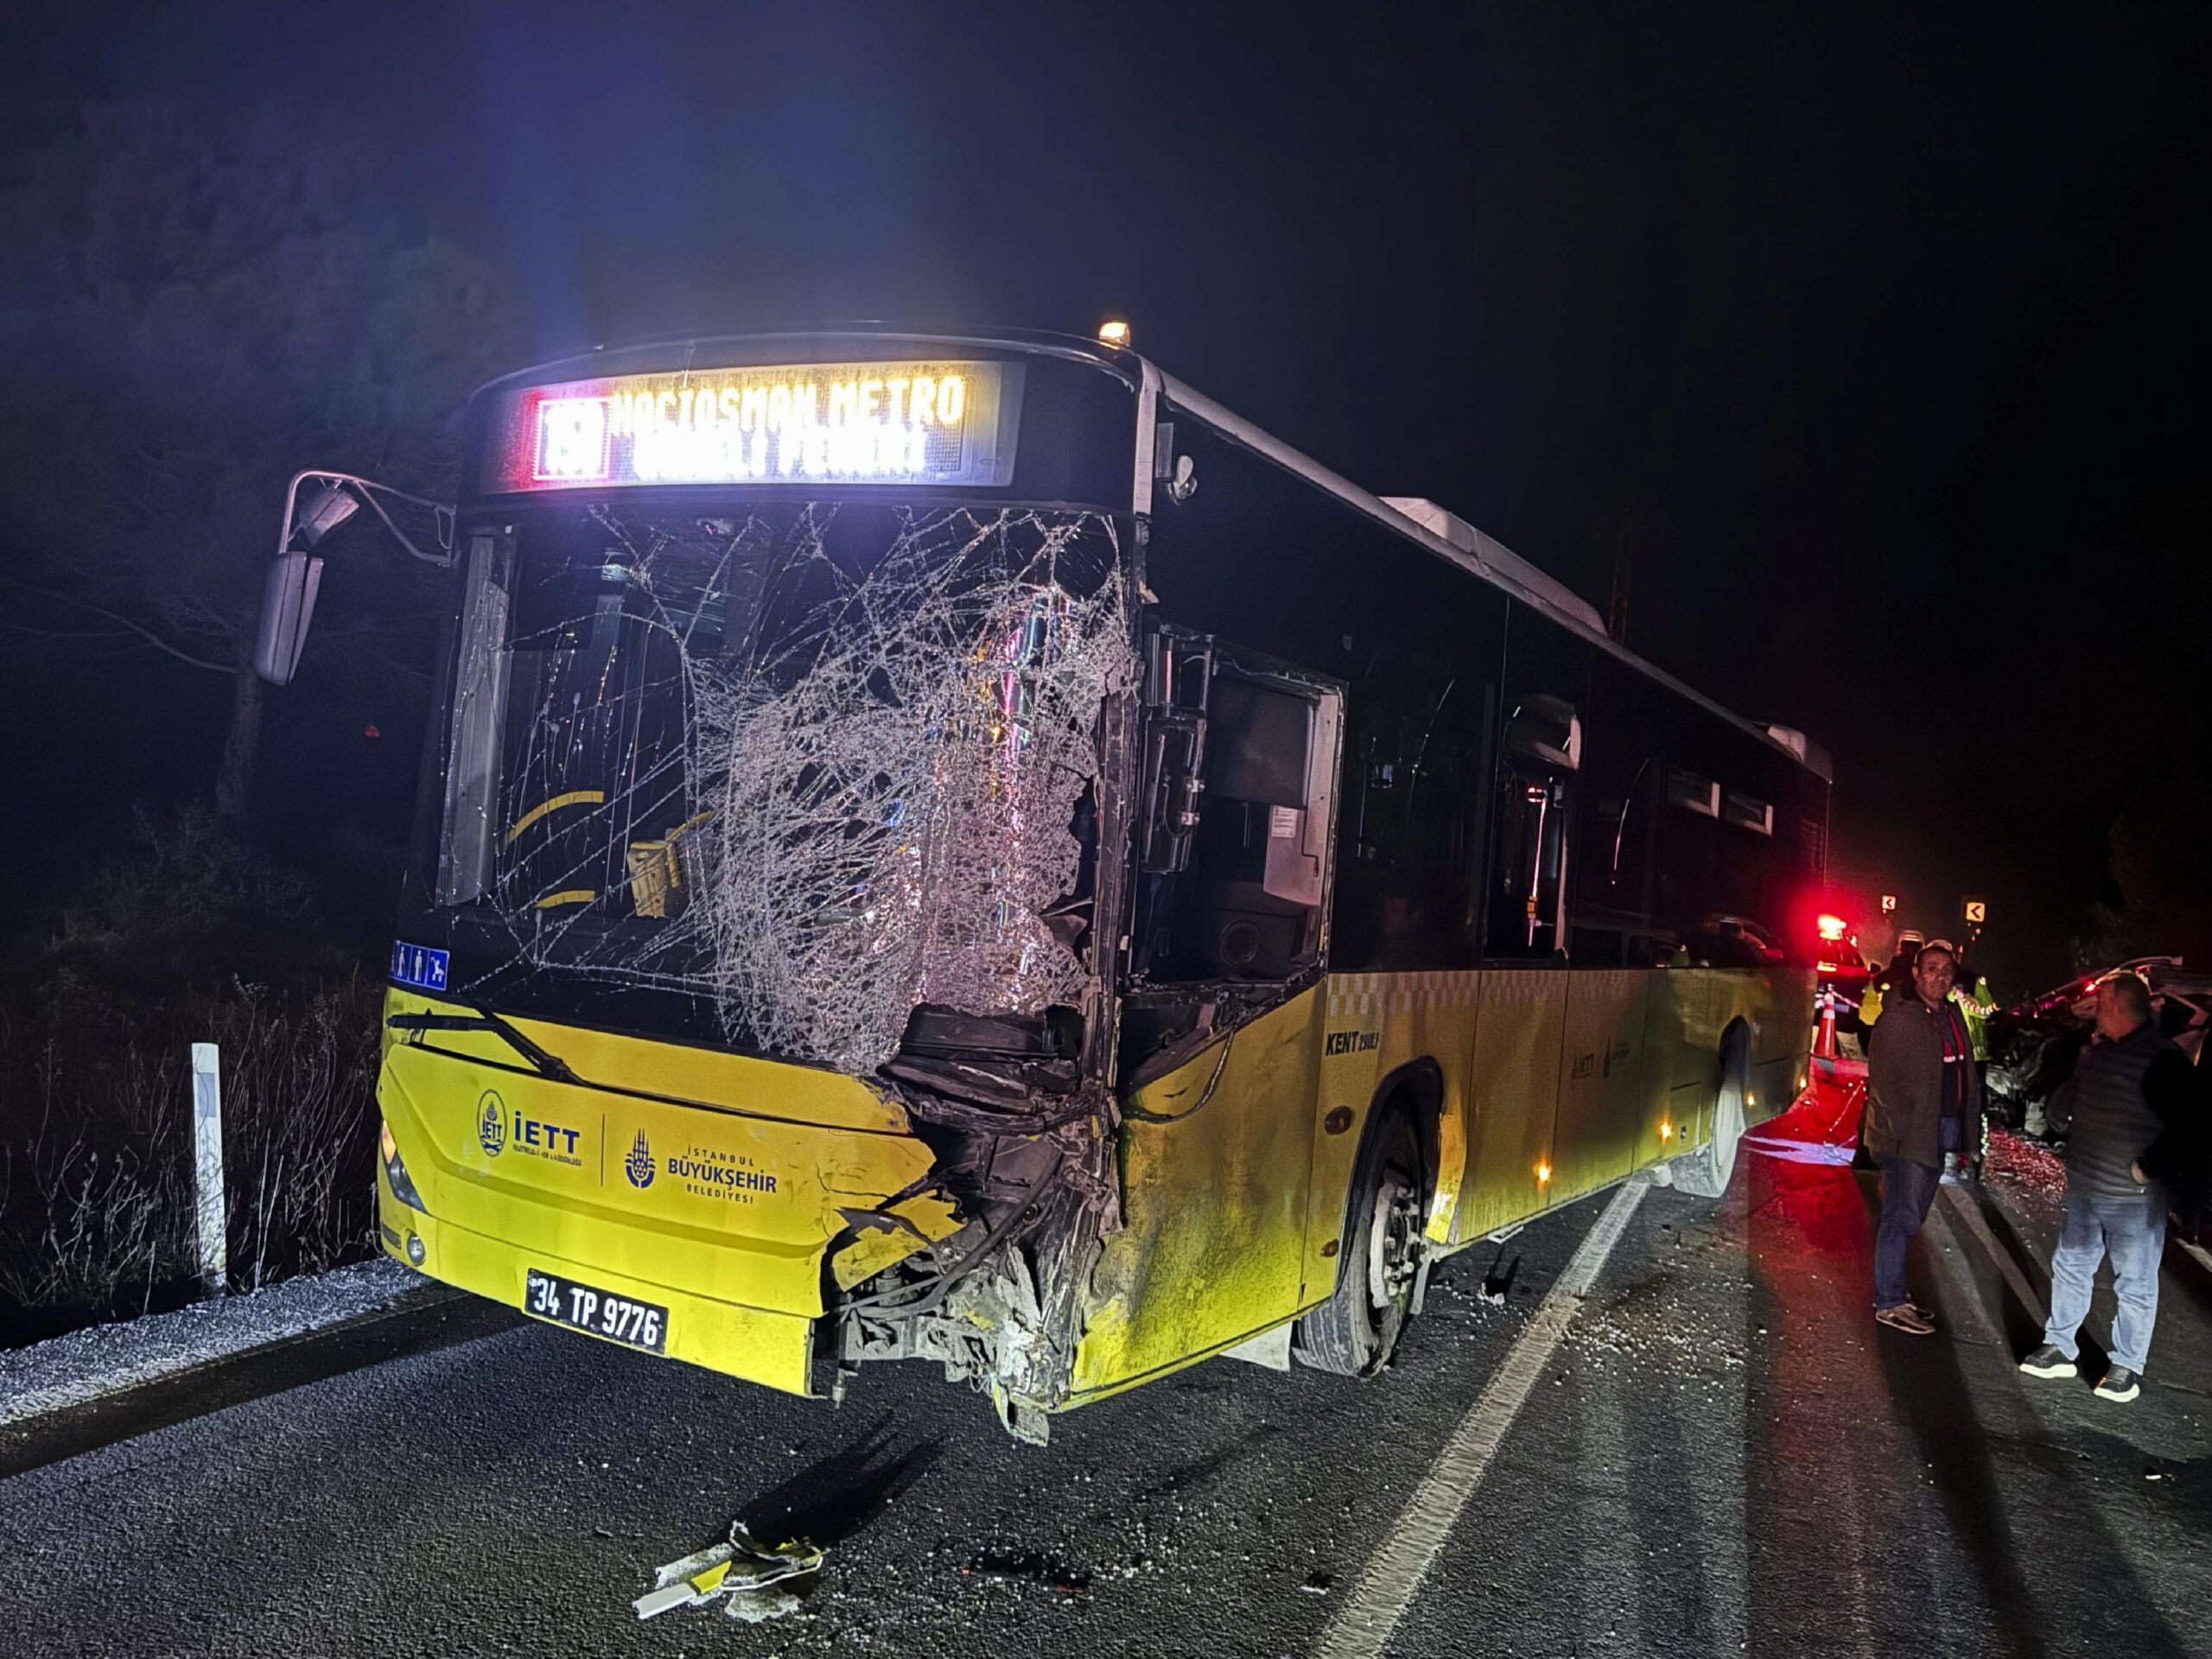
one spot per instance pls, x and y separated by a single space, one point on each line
1706 1173
1352 1333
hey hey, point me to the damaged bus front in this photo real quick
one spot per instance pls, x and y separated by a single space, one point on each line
747 1006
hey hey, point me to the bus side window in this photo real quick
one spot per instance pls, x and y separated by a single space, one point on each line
1611 917
1260 865
1543 749
1408 851
1249 899
1730 865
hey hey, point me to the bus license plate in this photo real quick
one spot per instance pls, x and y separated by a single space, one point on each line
581 1307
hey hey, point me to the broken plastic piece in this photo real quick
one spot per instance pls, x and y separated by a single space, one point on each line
738 1569
760 1609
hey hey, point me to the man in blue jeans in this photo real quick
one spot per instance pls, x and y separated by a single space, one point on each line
1923 1099
2131 1107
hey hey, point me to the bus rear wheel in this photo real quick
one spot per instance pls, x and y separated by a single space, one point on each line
1353 1333
1706 1173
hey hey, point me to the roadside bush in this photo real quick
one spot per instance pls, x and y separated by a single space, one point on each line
183 899
96 1146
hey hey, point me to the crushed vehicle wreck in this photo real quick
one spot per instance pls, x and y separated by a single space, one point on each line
2035 1043
960 850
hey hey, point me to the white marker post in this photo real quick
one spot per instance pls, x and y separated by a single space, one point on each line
207 1167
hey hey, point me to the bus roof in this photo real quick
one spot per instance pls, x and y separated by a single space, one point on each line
1458 542
1422 522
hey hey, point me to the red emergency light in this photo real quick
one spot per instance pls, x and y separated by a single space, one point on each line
1831 927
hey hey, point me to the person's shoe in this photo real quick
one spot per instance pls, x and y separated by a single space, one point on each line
1906 1318
2120 1385
2047 1361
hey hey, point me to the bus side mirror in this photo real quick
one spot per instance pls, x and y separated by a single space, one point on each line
287 608
287 599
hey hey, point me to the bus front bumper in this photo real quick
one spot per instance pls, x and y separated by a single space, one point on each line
737 1195
758 1346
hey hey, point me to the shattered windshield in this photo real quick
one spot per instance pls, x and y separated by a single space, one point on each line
817 765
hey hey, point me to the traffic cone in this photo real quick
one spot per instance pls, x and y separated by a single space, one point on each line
1824 1040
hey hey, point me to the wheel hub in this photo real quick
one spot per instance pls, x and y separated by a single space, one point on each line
1393 1242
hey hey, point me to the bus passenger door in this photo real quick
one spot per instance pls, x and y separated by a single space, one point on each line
1518 1144
1218 1063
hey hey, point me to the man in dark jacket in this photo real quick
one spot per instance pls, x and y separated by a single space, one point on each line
1923 1099
2136 1137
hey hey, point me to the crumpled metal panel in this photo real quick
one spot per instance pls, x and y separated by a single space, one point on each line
1213 1237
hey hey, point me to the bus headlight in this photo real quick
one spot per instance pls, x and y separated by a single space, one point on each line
403 1186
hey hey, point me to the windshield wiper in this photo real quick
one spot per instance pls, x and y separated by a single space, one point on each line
544 1062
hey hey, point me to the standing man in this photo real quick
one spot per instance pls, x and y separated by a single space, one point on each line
2136 1128
1923 1099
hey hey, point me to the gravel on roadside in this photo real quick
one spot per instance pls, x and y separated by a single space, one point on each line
103 1359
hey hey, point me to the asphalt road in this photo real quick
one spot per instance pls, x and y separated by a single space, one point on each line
1722 1455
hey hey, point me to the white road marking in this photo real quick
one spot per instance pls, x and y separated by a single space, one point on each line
1608 1475
1402 1560
1979 1226
1968 1214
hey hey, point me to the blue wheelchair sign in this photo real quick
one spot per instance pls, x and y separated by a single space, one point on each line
420 966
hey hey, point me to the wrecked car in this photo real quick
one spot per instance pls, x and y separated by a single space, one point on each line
2034 1044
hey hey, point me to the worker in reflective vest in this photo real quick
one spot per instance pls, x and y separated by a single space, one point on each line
1975 1008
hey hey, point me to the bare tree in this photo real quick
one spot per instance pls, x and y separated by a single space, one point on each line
2155 898
192 313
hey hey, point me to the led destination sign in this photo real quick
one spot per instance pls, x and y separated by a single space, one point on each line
824 422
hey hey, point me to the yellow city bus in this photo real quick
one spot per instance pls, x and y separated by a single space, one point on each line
956 846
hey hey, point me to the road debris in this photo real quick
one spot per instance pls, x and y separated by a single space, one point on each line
1497 1283
1034 1566
2032 1170
747 1575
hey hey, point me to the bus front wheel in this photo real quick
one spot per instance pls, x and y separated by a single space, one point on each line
1352 1333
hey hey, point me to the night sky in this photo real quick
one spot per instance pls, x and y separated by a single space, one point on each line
1871 339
